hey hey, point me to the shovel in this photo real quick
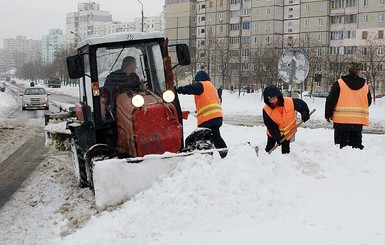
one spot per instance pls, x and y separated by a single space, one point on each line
290 132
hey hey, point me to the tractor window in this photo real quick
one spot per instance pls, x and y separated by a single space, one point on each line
115 66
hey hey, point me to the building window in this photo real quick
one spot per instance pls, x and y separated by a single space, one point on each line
307 8
306 38
320 37
246 25
319 52
255 26
366 3
379 67
321 7
380 50
364 51
307 23
381 17
382 2
256 40
351 3
364 35
290 9
268 11
365 18
290 16
245 39
267 40
320 22
267 25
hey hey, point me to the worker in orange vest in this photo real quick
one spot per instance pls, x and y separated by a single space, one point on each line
279 116
347 105
208 107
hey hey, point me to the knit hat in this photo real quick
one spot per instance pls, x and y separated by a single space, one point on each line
201 76
354 66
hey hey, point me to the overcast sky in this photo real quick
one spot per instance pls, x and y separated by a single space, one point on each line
33 18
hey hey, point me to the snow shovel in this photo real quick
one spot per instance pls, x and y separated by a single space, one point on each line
291 131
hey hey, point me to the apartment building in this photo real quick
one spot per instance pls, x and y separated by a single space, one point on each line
88 21
52 43
331 32
91 21
20 50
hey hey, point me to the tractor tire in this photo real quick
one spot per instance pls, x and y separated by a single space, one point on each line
79 163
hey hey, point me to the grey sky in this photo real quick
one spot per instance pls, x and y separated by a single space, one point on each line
33 18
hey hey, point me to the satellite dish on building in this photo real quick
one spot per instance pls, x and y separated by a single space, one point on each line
293 66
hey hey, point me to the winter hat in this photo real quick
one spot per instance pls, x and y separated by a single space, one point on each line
271 91
354 66
201 76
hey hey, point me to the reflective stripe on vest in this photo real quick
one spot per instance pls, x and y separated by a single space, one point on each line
286 120
207 103
352 106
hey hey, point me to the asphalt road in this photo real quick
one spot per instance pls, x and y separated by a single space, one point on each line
17 167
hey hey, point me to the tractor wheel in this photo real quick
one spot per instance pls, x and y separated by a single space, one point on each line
79 163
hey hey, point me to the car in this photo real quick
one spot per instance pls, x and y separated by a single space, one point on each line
2 87
321 94
35 98
379 96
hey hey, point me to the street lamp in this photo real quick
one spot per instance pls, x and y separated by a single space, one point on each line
142 13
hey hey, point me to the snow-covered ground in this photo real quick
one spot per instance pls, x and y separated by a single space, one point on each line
318 194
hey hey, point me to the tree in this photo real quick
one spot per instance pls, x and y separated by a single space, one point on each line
372 55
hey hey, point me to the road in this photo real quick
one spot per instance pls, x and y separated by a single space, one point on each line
23 161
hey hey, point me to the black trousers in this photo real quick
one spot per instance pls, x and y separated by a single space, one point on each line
348 138
285 146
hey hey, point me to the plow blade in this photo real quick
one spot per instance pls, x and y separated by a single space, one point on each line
117 180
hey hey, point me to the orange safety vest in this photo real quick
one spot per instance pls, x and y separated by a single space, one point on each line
352 105
207 103
285 118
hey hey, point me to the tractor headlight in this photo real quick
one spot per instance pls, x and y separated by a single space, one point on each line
168 96
137 100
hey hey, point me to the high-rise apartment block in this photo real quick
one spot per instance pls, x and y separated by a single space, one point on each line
91 21
331 32
51 44
20 50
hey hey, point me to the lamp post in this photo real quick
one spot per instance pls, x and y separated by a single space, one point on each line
142 14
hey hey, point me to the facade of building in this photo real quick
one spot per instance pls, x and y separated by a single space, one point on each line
91 21
331 33
20 50
50 44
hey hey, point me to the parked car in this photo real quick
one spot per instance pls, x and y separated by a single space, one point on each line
378 96
321 94
35 98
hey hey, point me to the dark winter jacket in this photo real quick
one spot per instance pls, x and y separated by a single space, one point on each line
353 82
299 105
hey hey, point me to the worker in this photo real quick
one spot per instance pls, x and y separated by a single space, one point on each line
208 107
279 117
347 105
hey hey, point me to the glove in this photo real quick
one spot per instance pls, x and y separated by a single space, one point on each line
279 141
305 117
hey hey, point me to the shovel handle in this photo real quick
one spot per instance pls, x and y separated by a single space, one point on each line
291 131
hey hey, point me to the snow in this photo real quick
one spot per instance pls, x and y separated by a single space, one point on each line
317 194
